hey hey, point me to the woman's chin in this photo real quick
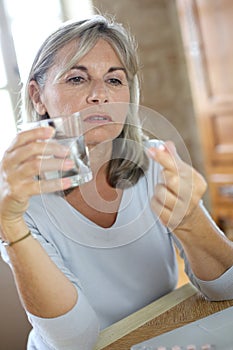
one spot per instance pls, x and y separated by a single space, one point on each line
98 136
96 143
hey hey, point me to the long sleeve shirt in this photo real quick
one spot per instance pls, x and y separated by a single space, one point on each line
116 270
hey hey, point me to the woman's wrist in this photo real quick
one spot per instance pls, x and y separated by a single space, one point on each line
11 243
191 225
12 231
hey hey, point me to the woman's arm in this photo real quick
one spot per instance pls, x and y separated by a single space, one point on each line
57 309
77 328
43 288
210 253
177 203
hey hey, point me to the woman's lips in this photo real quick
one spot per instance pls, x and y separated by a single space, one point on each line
98 119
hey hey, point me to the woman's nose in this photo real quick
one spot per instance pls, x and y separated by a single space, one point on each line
98 93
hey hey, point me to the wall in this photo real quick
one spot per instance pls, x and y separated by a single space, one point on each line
14 326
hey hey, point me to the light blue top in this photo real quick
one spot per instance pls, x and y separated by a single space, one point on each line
116 270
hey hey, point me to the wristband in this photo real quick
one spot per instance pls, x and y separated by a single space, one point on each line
9 244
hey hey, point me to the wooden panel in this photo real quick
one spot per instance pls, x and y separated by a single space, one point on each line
222 129
223 193
215 25
207 29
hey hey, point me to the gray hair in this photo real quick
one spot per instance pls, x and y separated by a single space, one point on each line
128 159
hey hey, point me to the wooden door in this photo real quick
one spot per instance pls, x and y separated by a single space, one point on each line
207 30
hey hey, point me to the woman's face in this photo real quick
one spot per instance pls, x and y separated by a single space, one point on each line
97 85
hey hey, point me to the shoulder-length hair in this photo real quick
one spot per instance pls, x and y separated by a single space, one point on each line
128 161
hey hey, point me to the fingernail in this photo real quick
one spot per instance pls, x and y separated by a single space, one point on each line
66 183
161 147
49 131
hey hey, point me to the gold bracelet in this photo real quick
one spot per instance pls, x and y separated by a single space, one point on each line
9 244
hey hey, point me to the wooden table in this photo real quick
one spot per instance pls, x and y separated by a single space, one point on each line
173 310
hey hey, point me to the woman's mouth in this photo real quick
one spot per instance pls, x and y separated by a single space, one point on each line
98 119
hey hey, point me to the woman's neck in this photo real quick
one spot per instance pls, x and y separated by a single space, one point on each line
96 199
100 155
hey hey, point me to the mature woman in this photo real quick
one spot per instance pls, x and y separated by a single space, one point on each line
90 257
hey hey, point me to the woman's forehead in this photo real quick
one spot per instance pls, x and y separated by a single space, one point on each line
65 57
66 52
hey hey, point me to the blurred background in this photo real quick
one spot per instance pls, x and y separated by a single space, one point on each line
186 57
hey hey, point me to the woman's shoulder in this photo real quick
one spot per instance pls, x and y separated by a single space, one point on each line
41 205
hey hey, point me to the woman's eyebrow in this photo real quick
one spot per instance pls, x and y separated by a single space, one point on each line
111 69
83 68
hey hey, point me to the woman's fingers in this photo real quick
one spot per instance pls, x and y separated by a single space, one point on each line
39 166
181 189
14 196
26 174
24 137
166 156
31 187
31 154
35 149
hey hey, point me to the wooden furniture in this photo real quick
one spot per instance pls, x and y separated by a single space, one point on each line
174 310
207 28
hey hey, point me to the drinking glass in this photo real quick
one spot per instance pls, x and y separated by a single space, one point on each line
69 133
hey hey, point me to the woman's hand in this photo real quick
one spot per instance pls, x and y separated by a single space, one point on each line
20 166
176 198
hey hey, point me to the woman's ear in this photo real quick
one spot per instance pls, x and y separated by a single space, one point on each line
34 92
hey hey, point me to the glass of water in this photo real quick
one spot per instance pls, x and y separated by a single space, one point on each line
69 133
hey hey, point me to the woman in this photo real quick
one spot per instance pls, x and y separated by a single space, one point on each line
105 249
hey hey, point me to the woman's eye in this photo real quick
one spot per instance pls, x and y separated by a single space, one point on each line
76 80
114 81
